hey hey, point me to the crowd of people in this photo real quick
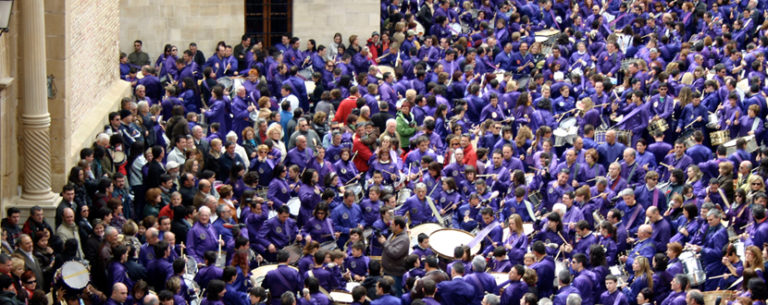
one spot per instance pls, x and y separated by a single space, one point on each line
579 152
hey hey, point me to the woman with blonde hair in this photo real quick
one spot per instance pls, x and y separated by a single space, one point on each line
275 133
642 278
589 114
753 259
517 241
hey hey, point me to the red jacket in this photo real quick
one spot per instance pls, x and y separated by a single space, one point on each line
345 108
363 154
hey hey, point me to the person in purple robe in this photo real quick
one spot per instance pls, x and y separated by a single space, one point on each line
711 246
544 266
276 233
309 194
676 160
320 227
219 110
418 207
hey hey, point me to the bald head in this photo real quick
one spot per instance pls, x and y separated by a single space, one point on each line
119 292
645 231
68 216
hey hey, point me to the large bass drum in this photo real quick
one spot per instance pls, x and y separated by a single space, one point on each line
444 241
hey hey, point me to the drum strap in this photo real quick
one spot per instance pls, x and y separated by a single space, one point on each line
755 123
656 197
482 234
322 290
576 168
617 300
725 200
634 216
434 210
529 208
327 223
631 172
282 279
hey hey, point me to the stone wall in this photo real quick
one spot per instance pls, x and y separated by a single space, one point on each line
320 19
180 22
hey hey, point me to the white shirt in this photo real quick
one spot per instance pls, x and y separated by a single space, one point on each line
293 100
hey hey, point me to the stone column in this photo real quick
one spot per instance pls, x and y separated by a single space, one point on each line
35 119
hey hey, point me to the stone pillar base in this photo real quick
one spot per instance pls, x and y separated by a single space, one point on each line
47 201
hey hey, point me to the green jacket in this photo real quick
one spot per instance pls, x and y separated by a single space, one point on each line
405 129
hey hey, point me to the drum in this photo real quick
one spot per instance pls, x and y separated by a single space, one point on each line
403 195
546 35
193 289
384 69
341 297
659 125
500 277
455 28
730 146
692 266
444 241
351 285
310 85
357 189
258 274
305 74
528 228
710 297
294 204
568 123
294 253
564 136
617 272
719 137
600 136
713 120
419 29
559 266
329 245
743 85
75 274
739 245
226 82
118 157
191 266
535 198
426 228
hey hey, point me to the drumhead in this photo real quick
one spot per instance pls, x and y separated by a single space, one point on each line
341 297
294 204
426 228
75 274
444 241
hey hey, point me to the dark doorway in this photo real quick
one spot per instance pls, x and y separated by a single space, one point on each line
268 20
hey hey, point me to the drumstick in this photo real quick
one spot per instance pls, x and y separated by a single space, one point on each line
667 165
563 238
690 124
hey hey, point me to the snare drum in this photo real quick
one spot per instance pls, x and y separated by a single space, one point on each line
739 245
351 285
329 245
403 195
659 125
528 228
341 297
730 146
692 266
719 137
258 274
357 189
560 137
426 228
444 241
294 204
455 28
310 86
75 274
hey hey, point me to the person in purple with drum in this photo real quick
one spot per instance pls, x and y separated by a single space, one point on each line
276 233
417 205
544 266
309 194
320 228
370 206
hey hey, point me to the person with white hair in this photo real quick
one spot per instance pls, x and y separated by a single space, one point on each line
202 237
481 280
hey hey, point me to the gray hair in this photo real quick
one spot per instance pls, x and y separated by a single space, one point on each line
573 299
478 264
109 230
209 198
491 299
420 185
714 213
204 209
696 296
627 192
601 180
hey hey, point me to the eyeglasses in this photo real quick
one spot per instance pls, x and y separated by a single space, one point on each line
30 282
756 183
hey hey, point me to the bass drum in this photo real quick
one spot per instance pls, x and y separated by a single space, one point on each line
294 204
258 274
692 266
426 228
444 241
